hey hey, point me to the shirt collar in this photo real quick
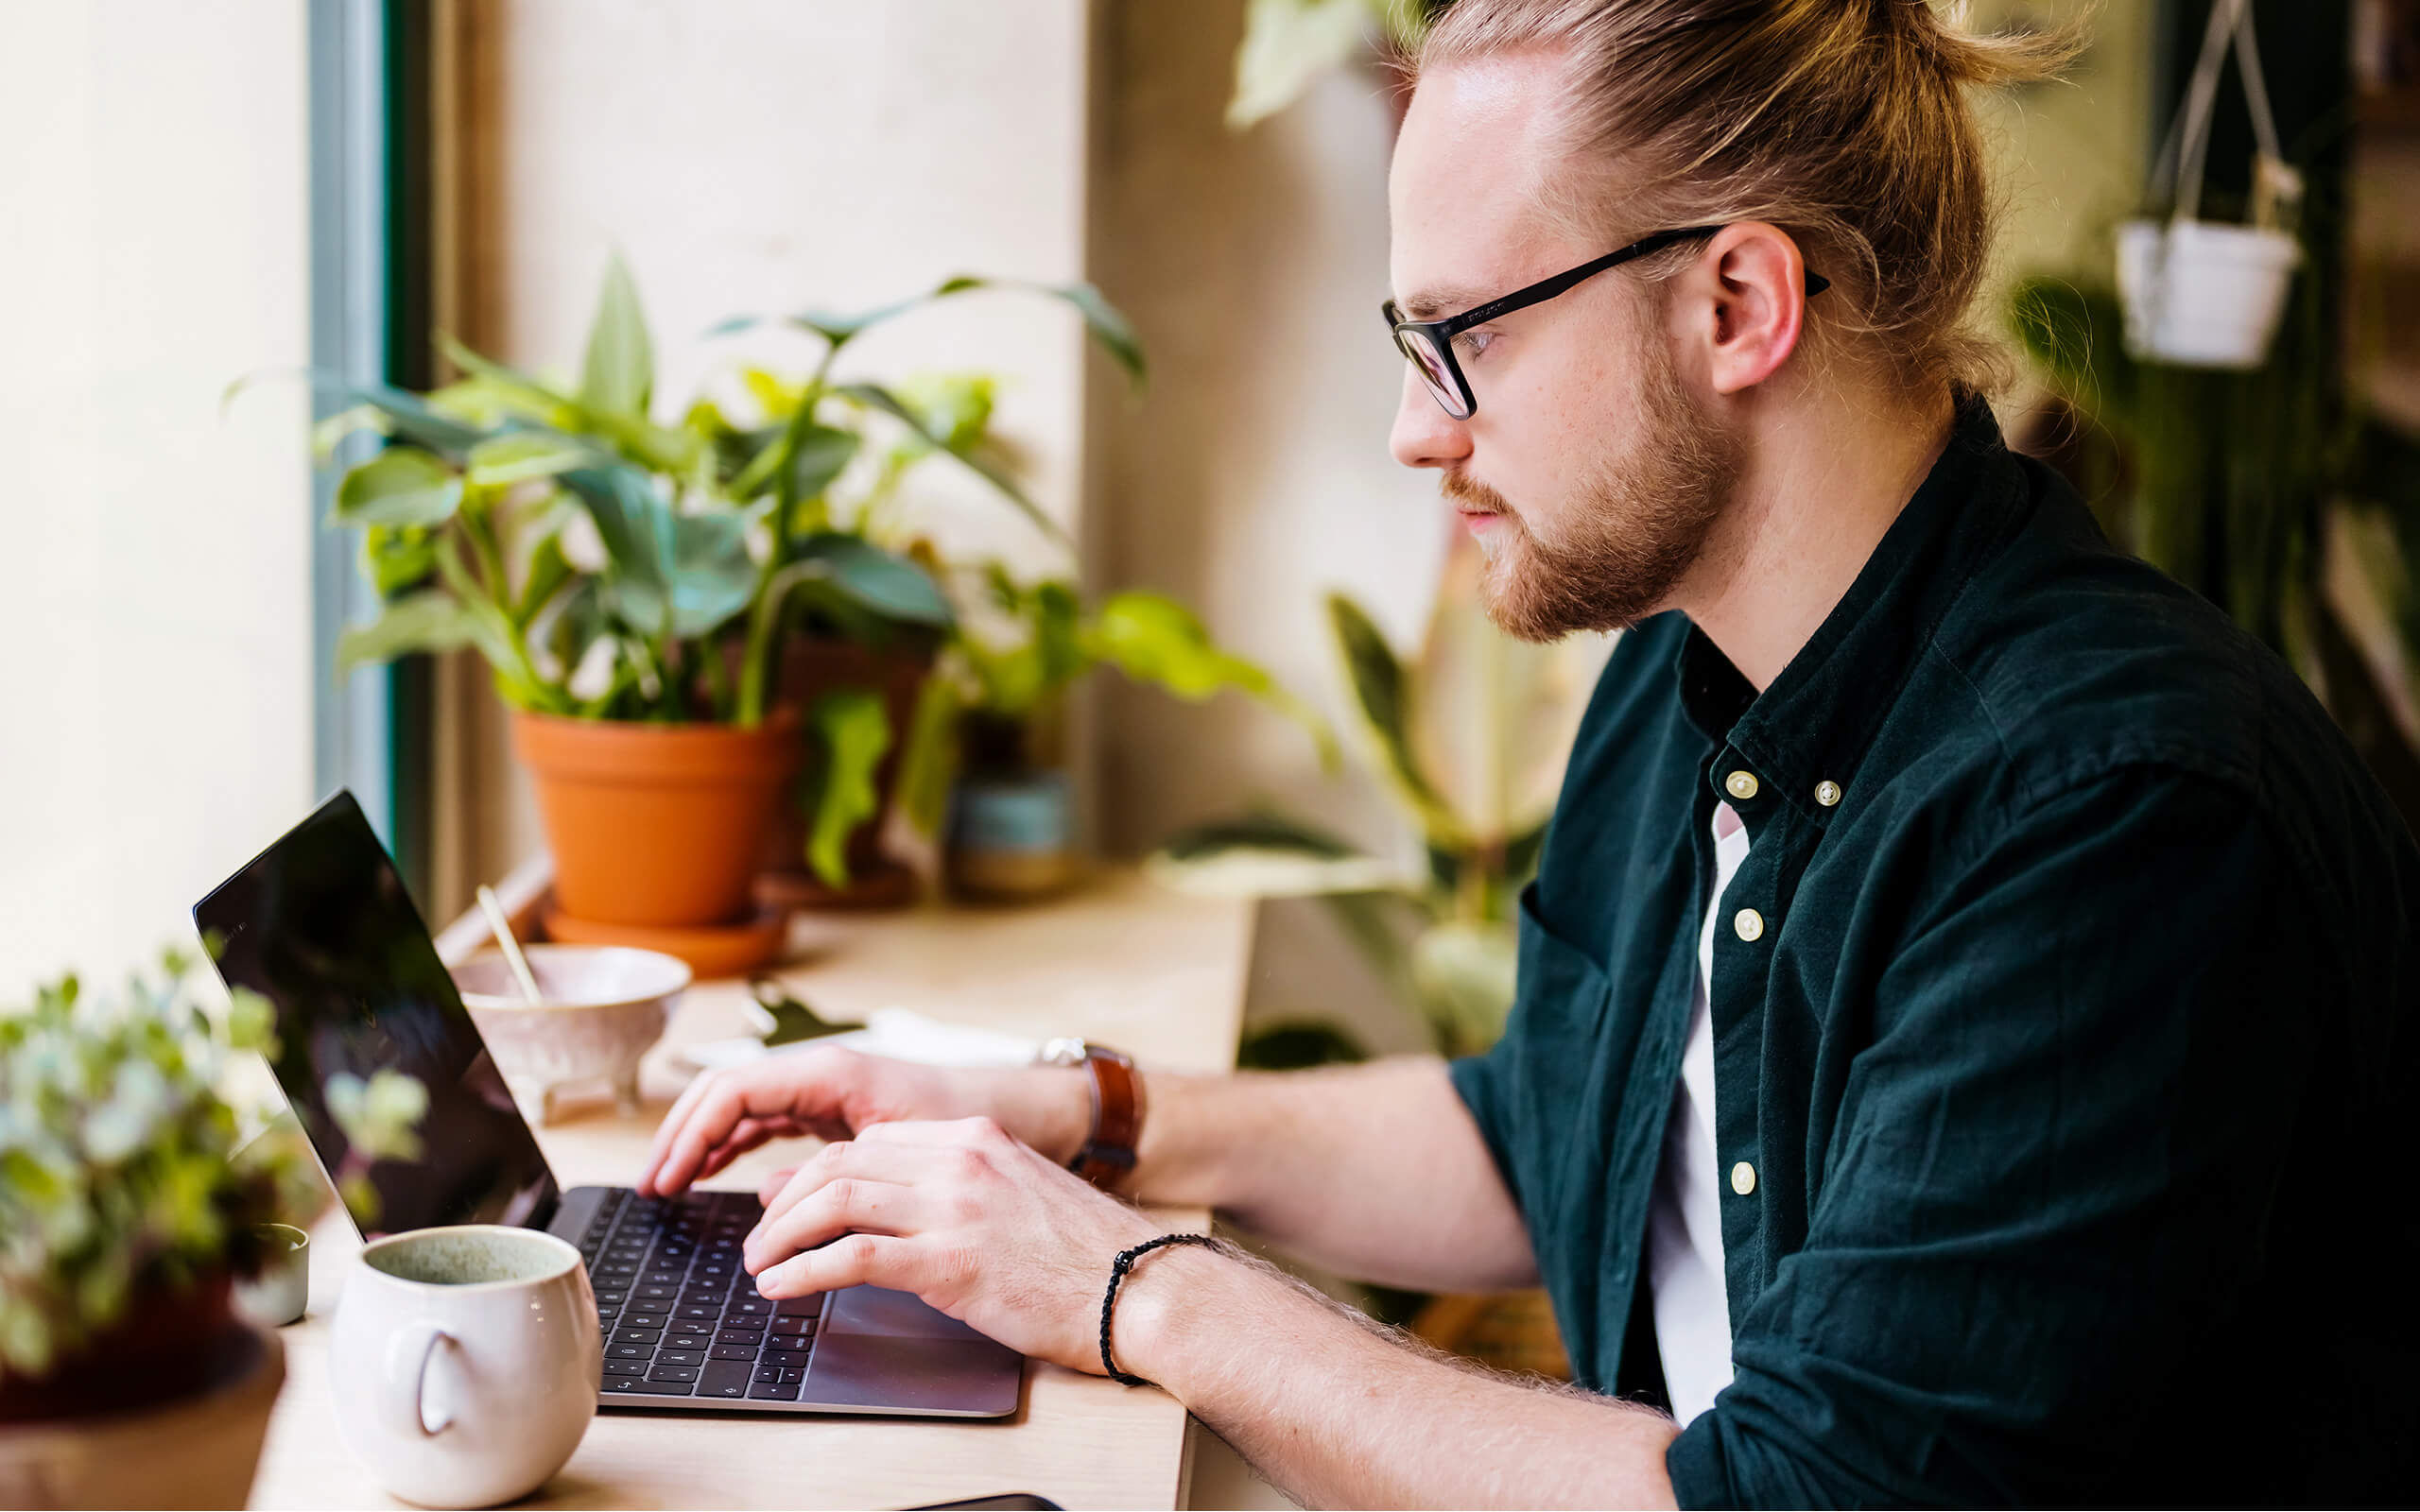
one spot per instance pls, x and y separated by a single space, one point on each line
1811 727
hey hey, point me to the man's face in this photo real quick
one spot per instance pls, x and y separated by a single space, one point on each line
1591 474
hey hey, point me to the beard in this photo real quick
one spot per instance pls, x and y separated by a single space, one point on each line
1639 522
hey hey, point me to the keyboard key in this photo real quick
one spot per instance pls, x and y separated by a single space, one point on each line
628 1383
811 1305
751 1306
734 1352
624 1368
748 1336
768 1391
659 1277
658 1290
636 1319
673 1372
787 1359
646 1337
677 1340
724 1379
679 1356
793 1325
628 1352
611 1297
698 1312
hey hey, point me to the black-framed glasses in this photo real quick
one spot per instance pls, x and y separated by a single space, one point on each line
1428 345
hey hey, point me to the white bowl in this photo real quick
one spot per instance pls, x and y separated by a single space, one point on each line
603 1007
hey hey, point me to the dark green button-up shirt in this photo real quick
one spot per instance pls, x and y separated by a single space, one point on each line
2074 1061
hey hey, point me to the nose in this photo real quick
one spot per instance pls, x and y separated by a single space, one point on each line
1425 434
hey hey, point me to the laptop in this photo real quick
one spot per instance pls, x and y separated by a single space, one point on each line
319 924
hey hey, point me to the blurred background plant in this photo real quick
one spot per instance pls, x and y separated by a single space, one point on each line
1470 741
2275 494
120 1173
1019 649
1288 43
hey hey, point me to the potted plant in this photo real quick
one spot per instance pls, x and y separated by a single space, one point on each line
127 1211
986 769
2209 293
1470 740
635 587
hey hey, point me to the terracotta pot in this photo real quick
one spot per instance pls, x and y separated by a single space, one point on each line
811 667
656 824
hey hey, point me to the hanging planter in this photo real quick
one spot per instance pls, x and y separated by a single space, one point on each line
2202 293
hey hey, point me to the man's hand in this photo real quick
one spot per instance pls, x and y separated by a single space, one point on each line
964 1215
831 1093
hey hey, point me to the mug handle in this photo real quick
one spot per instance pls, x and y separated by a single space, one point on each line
430 1336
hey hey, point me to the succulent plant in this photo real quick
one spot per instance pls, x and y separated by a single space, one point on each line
120 1172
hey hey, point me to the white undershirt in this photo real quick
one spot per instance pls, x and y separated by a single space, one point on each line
1684 1218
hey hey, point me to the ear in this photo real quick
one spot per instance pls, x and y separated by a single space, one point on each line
1759 303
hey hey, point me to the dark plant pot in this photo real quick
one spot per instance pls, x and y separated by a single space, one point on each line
165 1347
1011 836
812 666
656 825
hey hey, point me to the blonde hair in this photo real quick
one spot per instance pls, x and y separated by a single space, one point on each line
1843 122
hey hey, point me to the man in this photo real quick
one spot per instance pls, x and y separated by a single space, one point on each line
1966 1000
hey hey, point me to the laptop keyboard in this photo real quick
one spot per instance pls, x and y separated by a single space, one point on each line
680 1314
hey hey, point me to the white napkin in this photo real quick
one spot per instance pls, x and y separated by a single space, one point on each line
903 1034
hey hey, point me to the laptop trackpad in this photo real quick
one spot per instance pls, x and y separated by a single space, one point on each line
881 1350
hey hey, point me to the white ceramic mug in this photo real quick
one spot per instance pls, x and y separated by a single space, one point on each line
465 1361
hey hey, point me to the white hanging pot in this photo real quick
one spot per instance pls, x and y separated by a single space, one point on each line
2201 293
2205 293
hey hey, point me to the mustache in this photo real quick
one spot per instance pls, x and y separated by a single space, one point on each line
1470 494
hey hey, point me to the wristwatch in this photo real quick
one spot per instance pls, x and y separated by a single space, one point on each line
1108 1153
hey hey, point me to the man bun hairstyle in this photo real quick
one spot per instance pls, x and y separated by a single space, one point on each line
1844 122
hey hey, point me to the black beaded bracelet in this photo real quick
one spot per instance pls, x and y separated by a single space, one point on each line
1117 1270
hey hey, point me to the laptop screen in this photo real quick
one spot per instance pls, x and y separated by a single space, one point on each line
319 924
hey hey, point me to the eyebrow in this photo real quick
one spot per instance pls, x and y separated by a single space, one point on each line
1430 303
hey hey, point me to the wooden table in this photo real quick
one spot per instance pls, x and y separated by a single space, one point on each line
1151 971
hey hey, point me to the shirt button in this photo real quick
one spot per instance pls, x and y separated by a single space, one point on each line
1744 1178
1827 794
1741 785
1749 923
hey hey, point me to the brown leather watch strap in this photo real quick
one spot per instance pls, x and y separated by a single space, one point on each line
1107 1154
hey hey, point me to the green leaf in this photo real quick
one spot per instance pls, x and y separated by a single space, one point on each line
928 766
518 456
1464 973
549 569
401 486
818 457
1384 695
875 396
430 621
404 416
1152 638
854 732
1102 321
635 525
1286 44
618 374
712 578
1256 831
882 581
398 557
